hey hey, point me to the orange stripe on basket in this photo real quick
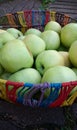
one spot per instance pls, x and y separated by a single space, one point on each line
66 19
11 20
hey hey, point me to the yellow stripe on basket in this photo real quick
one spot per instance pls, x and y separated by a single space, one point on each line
22 21
21 18
52 14
70 100
2 89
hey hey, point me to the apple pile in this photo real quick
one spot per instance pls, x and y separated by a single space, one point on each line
39 56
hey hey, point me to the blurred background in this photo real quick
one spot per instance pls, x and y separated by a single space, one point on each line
63 6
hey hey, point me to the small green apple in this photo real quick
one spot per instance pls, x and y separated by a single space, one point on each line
35 44
73 53
51 38
15 56
28 75
53 25
15 32
69 34
5 37
59 74
47 59
33 31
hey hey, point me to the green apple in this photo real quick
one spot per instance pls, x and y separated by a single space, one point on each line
15 32
47 59
69 34
28 75
51 39
35 44
5 37
15 56
53 25
59 74
73 53
65 55
33 31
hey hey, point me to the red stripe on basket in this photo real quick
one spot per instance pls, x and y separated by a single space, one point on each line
11 94
47 18
28 18
64 92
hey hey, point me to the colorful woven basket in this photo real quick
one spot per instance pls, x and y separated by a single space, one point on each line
37 19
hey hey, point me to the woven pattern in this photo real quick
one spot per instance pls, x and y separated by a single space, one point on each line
26 95
38 19
58 97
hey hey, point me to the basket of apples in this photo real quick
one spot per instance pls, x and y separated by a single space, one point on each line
38 58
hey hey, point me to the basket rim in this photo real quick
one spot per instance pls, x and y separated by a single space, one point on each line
37 11
52 15
48 10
